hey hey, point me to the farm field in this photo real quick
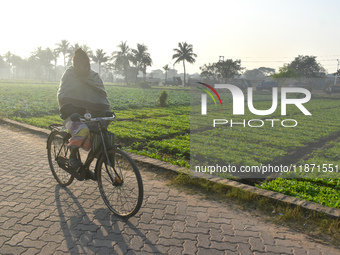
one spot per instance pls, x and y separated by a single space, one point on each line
173 133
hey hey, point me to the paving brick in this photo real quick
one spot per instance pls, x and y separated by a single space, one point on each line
152 237
165 232
17 238
32 251
179 226
203 241
244 249
216 235
7 249
28 243
256 244
184 236
189 246
204 251
299 251
175 250
279 249
156 249
222 246
170 242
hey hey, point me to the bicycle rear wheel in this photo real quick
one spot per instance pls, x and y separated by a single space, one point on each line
122 189
58 154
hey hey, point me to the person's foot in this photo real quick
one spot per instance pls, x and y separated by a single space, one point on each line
89 175
75 163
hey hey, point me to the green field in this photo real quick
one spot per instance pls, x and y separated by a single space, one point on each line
164 133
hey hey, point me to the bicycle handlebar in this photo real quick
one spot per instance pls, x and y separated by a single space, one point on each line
87 117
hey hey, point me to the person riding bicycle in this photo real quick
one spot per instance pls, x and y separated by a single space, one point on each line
81 90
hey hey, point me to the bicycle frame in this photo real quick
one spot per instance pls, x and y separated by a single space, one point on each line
102 148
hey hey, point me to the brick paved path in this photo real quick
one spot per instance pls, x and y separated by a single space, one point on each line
39 217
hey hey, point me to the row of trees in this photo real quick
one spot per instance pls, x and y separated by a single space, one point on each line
43 62
300 67
129 62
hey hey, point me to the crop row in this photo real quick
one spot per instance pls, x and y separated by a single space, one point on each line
306 190
24 100
175 150
321 166
244 145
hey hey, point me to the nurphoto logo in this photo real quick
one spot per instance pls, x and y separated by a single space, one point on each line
239 105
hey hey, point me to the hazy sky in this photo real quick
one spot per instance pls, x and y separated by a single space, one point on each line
259 32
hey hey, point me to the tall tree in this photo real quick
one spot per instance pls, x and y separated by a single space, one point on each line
63 47
267 71
110 70
141 59
70 52
44 59
122 59
254 74
2 62
87 49
259 73
166 68
229 68
99 58
184 52
307 67
146 61
222 70
17 63
301 67
29 65
8 58
55 59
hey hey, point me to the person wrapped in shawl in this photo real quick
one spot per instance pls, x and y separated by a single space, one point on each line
81 90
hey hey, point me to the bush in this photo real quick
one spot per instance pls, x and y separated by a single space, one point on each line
163 99
144 85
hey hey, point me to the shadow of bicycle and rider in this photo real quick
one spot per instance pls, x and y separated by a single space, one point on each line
97 233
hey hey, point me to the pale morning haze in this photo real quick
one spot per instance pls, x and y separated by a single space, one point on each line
258 32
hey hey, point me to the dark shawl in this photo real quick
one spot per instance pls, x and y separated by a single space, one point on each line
88 93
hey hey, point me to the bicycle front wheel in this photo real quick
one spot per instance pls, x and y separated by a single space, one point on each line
120 183
58 154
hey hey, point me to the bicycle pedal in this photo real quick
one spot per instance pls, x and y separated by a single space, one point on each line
89 175
63 163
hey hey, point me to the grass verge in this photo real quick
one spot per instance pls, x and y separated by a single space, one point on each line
314 224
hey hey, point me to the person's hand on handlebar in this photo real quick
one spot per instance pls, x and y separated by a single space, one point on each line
75 116
110 114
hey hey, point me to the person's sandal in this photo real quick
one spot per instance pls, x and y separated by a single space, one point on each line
75 163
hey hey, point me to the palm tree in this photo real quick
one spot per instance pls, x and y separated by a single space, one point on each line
166 69
55 59
100 58
184 53
146 61
87 49
121 58
17 63
110 69
44 58
63 47
141 58
8 58
71 50
2 64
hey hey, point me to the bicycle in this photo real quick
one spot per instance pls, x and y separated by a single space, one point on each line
118 177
